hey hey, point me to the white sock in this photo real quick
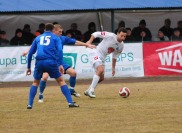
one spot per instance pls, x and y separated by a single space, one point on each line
71 87
94 83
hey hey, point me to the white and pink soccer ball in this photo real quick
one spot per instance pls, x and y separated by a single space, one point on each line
124 92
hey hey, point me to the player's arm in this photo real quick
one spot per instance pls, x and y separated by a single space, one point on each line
71 41
91 39
30 54
87 45
59 47
113 66
98 34
115 55
26 52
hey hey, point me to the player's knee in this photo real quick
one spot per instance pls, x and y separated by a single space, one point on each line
100 70
101 79
44 79
60 81
36 83
73 74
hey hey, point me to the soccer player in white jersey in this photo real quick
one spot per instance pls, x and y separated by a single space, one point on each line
111 43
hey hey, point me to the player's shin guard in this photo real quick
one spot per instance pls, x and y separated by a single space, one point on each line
72 82
42 86
94 83
66 93
32 93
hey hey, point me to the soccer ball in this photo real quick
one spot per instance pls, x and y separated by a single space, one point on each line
124 92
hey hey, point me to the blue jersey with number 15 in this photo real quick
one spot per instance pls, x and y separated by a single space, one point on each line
48 46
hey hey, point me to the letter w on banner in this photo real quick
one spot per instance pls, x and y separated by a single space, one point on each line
162 58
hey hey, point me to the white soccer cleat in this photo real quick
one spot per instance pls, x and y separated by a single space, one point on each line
74 93
90 94
40 100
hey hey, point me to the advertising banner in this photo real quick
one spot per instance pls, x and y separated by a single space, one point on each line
129 63
162 58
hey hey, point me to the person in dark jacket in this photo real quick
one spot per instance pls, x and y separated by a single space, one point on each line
27 35
73 32
91 29
129 37
120 24
166 29
142 33
3 39
17 40
176 35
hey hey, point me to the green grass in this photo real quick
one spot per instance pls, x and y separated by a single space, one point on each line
152 107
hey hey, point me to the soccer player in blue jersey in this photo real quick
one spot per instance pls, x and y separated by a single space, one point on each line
48 59
67 68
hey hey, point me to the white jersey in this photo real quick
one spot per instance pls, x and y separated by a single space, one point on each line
108 45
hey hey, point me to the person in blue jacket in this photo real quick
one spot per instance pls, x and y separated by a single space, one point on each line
49 59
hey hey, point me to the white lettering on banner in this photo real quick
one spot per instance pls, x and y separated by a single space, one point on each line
167 58
170 58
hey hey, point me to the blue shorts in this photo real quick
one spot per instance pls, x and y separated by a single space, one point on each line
49 66
65 66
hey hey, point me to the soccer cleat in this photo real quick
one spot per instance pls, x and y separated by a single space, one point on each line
90 94
29 107
41 98
74 93
73 105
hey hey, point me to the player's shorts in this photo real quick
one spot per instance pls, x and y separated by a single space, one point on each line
94 57
96 60
49 66
65 66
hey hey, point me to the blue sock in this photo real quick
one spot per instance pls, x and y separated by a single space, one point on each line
72 81
32 93
42 86
66 93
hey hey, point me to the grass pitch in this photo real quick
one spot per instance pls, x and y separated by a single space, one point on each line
152 107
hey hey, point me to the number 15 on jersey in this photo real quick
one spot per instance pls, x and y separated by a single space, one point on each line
45 40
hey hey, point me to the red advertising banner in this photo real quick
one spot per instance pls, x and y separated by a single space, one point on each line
162 58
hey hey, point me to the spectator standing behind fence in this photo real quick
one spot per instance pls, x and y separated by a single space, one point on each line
166 29
179 26
91 29
17 40
73 32
176 35
120 24
40 30
129 37
3 39
142 33
28 37
161 37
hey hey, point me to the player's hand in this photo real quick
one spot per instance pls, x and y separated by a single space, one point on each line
24 53
113 72
61 69
88 42
28 72
91 46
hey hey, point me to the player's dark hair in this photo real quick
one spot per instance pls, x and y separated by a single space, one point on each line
49 27
122 29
